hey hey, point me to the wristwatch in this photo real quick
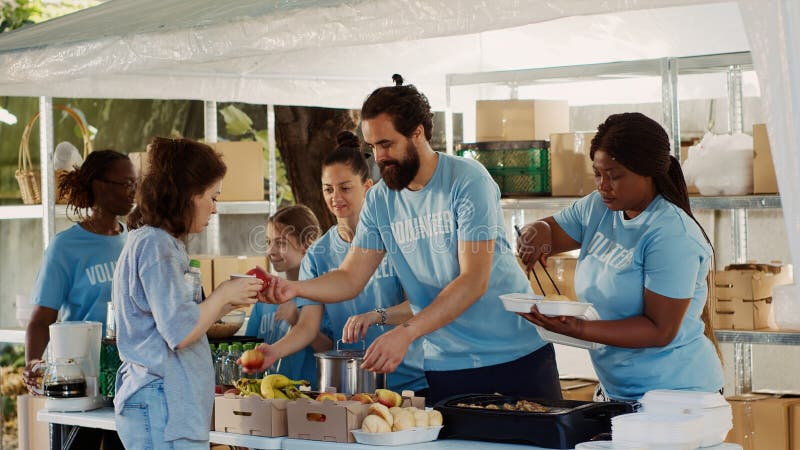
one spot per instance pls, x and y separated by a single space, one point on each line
381 312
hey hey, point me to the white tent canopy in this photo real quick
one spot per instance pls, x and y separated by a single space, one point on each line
333 52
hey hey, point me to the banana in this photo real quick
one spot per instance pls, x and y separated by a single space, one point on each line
280 394
279 381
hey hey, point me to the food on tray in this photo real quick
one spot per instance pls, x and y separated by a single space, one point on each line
381 419
559 297
388 398
520 406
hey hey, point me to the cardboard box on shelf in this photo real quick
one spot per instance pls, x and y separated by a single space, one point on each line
206 272
571 173
520 120
762 421
225 266
244 179
743 296
325 421
738 314
251 415
578 389
764 179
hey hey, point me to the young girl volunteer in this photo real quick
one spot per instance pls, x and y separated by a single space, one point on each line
165 385
381 305
643 264
290 231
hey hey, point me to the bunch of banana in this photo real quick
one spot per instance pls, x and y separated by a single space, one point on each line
249 387
280 386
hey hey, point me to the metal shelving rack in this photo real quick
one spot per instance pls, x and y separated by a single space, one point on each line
668 69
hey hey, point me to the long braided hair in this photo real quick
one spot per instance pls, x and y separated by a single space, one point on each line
641 145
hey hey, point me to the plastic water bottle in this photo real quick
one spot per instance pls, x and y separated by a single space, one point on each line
232 371
195 281
219 363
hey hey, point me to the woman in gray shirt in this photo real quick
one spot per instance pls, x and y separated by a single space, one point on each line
165 385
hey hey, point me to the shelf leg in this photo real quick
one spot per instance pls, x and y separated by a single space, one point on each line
669 102
210 128
739 224
743 367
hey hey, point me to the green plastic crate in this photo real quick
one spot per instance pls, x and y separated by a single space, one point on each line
109 363
520 168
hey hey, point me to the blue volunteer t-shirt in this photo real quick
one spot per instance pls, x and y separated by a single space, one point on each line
76 273
262 324
420 231
663 250
383 290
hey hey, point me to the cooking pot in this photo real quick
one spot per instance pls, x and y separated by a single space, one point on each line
341 369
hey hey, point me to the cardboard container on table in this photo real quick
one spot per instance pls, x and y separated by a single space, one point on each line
765 422
410 400
251 415
225 266
244 179
520 120
764 179
578 389
325 421
571 173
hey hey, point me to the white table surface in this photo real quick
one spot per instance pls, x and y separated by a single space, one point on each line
104 419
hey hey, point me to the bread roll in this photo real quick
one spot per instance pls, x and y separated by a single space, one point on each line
374 424
434 418
382 412
411 409
404 421
395 410
421 419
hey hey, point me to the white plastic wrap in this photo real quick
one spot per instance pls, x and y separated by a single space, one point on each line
773 27
333 52
721 164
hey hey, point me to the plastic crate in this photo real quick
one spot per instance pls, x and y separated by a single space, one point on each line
520 168
109 363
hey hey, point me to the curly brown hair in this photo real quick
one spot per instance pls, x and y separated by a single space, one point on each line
179 170
76 185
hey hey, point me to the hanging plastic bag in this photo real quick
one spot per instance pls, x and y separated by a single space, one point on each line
721 164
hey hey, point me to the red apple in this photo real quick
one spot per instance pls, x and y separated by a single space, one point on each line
252 360
232 391
388 398
262 275
219 389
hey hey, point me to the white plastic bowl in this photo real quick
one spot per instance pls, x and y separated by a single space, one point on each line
522 303
405 437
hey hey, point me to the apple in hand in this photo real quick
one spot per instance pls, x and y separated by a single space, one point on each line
388 398
263 276
252 360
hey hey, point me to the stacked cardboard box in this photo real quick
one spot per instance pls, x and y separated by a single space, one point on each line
250 415
571 173
764 179
765 422
744 295
520 120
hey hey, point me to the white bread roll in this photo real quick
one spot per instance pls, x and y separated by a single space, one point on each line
381 411
421 419
395 410
434 418
374 424
404 421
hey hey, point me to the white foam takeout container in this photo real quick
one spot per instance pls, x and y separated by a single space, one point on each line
523 302
405 437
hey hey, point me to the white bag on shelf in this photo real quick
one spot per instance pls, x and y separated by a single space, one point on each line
721 164
786 305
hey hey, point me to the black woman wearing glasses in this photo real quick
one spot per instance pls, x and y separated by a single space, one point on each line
78 266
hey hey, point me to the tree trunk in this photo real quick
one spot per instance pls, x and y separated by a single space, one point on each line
305 136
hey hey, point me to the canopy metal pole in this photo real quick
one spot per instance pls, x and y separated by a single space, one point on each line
448 119
46 146
271 143
210 131
669 101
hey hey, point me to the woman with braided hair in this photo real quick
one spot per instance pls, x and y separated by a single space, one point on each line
643 264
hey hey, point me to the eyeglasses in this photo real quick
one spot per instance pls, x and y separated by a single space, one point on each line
129 185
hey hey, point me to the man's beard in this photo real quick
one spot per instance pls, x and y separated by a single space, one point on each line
398 175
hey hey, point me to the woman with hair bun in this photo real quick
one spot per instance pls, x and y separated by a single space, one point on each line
78 265
644 261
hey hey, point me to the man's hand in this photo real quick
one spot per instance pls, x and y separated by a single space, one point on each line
270 356
388 351
281 291
32 381
356 327
568 326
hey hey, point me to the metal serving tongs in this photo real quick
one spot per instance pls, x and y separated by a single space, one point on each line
531 271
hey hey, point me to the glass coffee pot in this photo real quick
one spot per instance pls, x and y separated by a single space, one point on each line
62 379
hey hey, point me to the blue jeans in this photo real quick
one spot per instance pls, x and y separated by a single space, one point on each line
144 418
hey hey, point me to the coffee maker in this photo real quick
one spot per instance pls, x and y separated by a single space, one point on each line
73 353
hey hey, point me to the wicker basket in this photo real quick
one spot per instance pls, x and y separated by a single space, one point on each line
28 176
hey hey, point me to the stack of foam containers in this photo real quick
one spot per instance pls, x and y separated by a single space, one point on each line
658 431
714 410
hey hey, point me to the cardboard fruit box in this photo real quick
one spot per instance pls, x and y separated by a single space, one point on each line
251 415
410 400
325 421
764 421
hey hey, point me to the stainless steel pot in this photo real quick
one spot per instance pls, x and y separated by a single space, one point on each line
341 369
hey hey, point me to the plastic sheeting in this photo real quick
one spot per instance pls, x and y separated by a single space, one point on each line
773 27
333 52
